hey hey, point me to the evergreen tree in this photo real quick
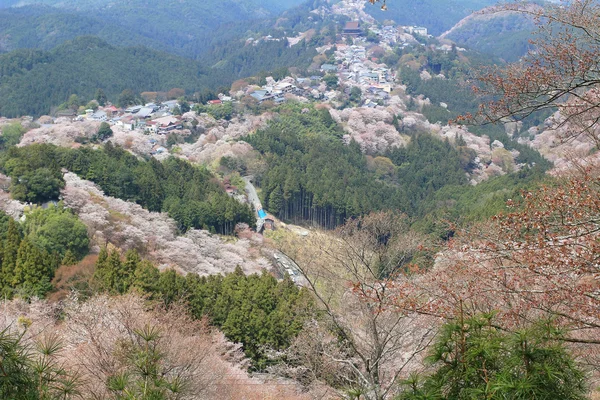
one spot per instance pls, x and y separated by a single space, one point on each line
33 270
146 277
102 273
171 286
100 97
275 202
476 360
69 258
9 256
104 132
126 274
113 278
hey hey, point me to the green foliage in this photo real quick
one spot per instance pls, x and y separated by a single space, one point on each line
473 359
506 36
465 204
33 372
331 81
145 375
10 250
322 180
37 186
355 94
313 176
32 252
100 97
217 111
104 132
254 310
96 65
114 275
33 270
69 258
127 98
11 135
57 230
36 176
425 166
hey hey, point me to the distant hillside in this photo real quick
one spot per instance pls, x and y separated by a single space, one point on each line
504 35
436 15
184 27
44 27
32 81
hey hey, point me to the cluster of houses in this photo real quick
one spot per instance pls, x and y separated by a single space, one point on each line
355 69
151 117
276 91
309 88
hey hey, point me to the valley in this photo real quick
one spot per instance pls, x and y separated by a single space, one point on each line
297 200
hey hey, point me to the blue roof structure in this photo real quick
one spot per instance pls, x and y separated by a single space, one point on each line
262 214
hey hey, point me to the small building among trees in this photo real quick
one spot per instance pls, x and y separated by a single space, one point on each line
352 28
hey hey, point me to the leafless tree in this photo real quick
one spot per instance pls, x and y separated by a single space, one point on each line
359 341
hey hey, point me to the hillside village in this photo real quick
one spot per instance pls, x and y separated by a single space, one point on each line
304 204
349 77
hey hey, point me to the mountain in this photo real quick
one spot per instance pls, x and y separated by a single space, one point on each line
184 27
505 34
43 27
436 15
32 81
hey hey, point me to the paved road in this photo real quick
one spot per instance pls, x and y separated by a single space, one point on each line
254 200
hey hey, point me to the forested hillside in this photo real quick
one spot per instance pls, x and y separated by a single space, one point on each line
321 213
313 176
503 35
189 194
33 81
436 15
183 27
43 27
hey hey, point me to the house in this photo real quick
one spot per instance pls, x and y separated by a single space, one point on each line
214 102
416 30
168 124
352 28
111 110
285 87
158 149
133 109
259 95
171 104
66 113
99 116
127 123
329 68
151 127
145 112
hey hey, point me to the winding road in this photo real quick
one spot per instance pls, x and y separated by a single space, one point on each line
254 200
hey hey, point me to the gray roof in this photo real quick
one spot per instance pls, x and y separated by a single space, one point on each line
259 94
99 115
145 112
